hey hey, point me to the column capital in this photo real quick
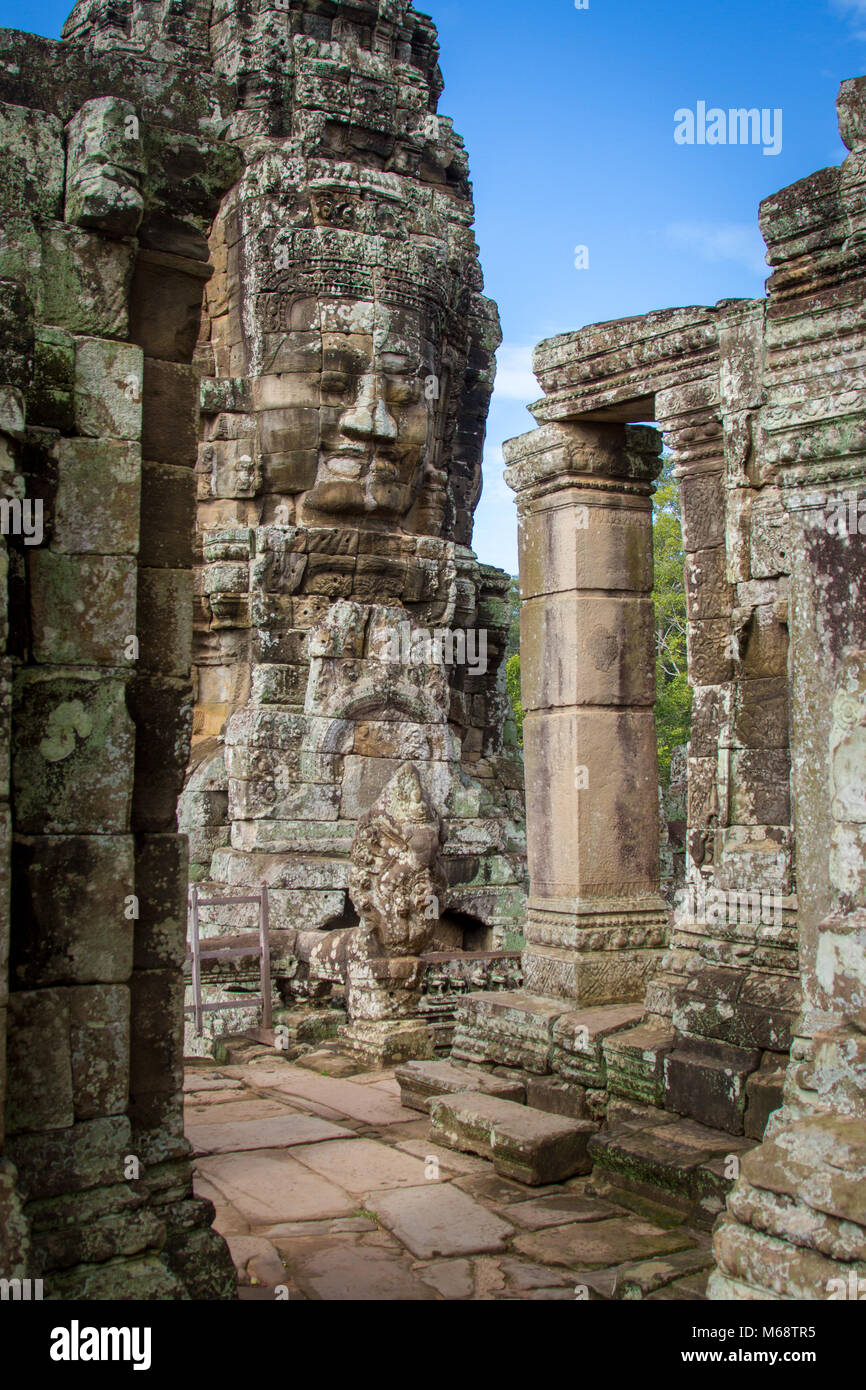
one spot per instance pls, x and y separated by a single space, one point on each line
583 455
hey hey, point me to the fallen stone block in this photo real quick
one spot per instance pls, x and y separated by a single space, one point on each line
420 1082
529 1145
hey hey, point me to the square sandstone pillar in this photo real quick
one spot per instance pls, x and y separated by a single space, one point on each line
596 920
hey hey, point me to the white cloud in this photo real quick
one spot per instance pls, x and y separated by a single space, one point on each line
514 377
855 10
495 487
740 242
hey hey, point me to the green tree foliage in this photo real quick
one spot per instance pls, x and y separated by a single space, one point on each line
674 701
514 606
512 672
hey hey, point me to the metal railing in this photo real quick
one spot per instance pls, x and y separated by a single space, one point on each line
195 956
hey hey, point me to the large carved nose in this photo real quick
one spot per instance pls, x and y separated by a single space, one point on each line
369 418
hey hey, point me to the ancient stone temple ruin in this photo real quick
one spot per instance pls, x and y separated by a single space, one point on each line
684 1044
248 652
246 370
342 623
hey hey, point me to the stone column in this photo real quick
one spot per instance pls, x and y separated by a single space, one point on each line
595 919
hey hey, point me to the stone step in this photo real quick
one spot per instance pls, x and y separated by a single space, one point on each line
634 1062
420 1082
557 1097
667 1160
507 1028
707 1080
764 1093
530 1146
577 1053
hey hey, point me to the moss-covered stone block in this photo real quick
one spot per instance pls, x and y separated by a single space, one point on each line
100 1043
74 910
73 744
33 162
161 888
84 283
98 497
108 388
39 1094
100 591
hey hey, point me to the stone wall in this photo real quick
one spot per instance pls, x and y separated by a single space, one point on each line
795 1226
113 173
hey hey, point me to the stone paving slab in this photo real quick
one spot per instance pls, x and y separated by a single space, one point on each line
488 1186
363 1165
215 1100
371 1106
343 1205
638 1281
558 1211
408 1129
256 1261
227 1219
336 1271
453 1279
276 1131
342 1225
449 1160
601 1243
525 1276
691 1290
232 1112
390 1086
530 1145
194 1083
439 1219
270 1187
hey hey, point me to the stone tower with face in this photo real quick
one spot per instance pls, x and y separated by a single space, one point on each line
347 360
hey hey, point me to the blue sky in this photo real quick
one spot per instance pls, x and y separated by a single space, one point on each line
568 116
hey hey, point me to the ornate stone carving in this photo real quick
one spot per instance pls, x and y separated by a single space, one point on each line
395 881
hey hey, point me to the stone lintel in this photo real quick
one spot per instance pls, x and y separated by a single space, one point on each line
613 371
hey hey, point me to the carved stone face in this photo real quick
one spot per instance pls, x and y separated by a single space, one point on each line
364 410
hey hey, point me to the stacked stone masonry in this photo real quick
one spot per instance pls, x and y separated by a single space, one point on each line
245 366
760 984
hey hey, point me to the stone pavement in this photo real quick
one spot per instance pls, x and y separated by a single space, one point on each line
326 1187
